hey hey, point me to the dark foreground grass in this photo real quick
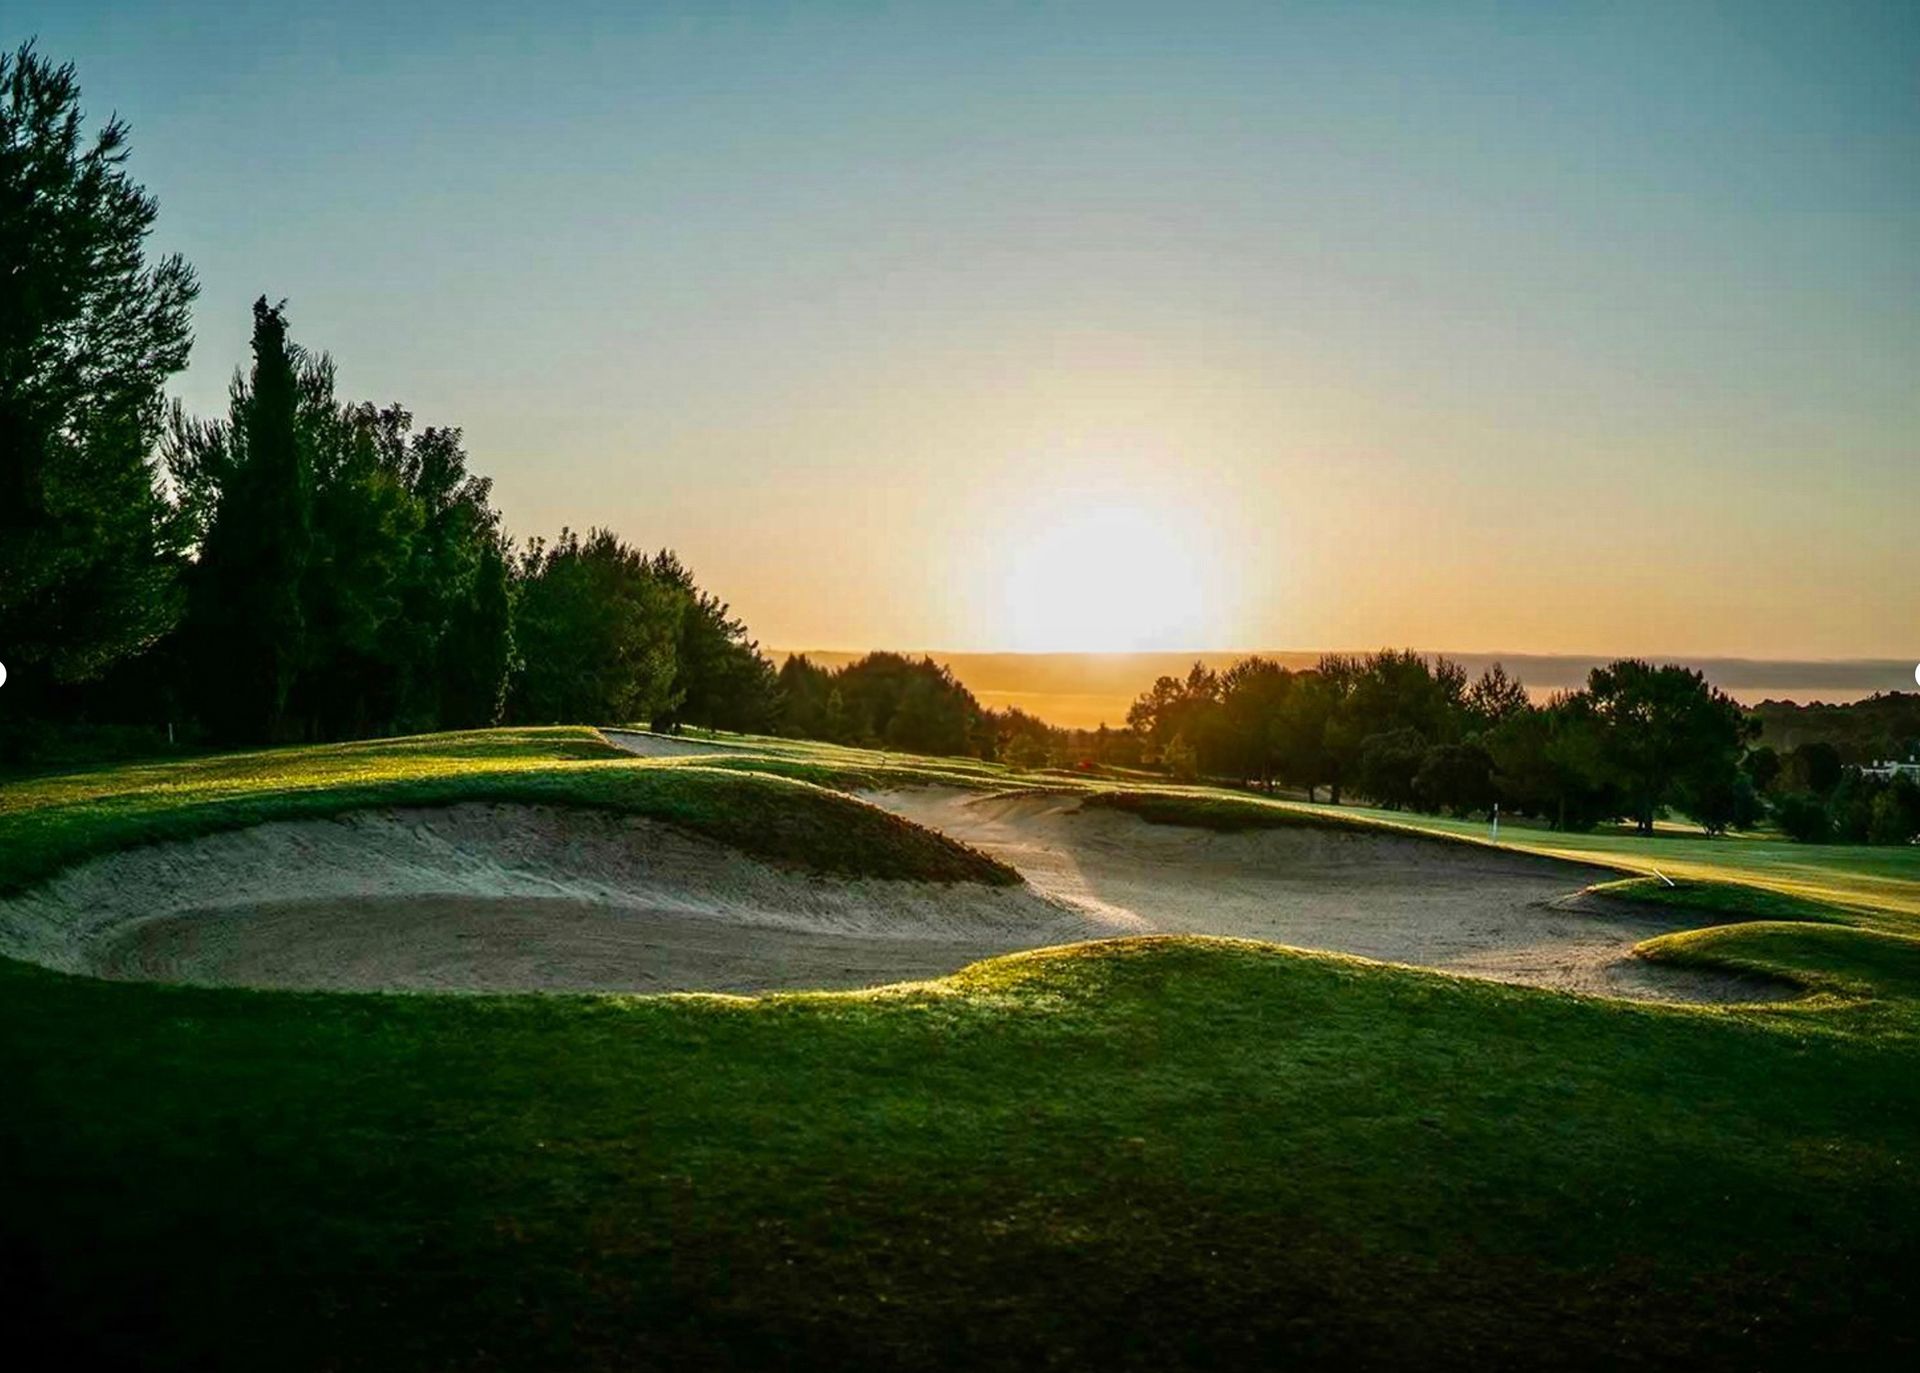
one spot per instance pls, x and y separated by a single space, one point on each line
1144 1155
1170 1153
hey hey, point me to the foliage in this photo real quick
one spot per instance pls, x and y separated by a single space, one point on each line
90 330
351 577
886 700
597 631
1389 761
1664 733
1884 726
721 680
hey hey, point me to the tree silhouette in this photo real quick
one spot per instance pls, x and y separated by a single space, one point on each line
89 332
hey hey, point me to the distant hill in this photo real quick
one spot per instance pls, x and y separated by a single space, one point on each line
1883 726
1081 690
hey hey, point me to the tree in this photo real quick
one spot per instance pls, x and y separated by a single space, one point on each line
1330 707
1762 766
597 632
1814 767
1548 762
402 600
247 610
1255 695
1388 764
914 705
1664 730
1184 709
90 330
804 688
1495 697
1895 817
1457 778
720 676
1803 817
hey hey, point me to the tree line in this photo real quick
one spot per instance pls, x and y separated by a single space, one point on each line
308 567
304 567
1406 732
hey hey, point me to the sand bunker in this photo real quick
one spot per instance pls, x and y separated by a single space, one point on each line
502 898
1465 908
497 898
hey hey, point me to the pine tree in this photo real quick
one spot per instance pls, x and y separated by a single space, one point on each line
89 333
247 593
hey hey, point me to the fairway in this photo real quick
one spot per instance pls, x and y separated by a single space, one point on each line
1151 1153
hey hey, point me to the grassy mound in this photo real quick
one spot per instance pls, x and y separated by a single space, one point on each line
1144 1154
51 823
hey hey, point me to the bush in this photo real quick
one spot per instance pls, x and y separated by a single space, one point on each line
1388 765
1455 777
1802 816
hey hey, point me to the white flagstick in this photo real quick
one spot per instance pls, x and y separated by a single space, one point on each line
1496 822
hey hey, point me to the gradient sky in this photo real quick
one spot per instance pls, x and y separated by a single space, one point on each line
1482 326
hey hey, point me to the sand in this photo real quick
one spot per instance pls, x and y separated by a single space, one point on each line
1465 908
531 898
500 898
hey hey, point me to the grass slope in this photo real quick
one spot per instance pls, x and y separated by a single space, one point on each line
50 823
1156 1153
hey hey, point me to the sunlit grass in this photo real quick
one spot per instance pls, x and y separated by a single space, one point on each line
1147 1153
51 822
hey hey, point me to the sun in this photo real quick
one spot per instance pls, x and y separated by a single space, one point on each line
1112 578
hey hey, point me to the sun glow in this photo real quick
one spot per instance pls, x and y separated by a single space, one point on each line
1112 579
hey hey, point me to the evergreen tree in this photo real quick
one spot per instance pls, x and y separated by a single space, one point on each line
597 631
90 330
249 621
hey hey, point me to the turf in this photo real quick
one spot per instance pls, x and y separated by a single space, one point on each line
1167 1153
49 823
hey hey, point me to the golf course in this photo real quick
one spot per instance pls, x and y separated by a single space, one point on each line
1109 1143
917 687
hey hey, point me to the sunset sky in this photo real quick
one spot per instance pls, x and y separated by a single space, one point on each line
1580 329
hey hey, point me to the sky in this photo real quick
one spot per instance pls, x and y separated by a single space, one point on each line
1554 329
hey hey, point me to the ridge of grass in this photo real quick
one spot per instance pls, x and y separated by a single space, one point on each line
1724 902
779 820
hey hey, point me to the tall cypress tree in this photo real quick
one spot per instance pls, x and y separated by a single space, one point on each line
247 612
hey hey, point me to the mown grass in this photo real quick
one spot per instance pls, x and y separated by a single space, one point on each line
1879 883
1161 1153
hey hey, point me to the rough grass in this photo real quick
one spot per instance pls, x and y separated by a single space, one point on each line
1162 1153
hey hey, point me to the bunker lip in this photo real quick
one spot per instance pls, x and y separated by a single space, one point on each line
1464 908
506 897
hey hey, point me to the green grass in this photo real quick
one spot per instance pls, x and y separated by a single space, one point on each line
51 822
1881 882
1156 1153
